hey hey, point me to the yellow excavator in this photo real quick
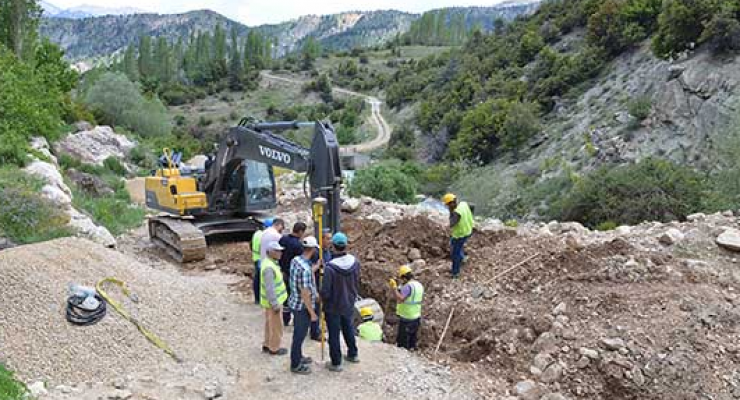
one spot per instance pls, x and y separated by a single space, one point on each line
235 192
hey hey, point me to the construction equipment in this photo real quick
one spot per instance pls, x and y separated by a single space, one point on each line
236 190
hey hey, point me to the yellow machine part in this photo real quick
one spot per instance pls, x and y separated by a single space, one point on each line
168 191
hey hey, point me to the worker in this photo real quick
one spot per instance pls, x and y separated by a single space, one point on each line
256 243
326 250
408 307
461 227
293 248
301 302
369 329
339 290
271 234
273 294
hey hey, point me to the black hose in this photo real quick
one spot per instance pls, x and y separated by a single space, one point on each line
79 316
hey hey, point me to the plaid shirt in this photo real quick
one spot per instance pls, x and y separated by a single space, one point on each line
301 277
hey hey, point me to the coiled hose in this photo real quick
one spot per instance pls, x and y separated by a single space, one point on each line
82 317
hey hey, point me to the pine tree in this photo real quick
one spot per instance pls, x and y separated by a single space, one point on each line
235 63
19 21
146 65
130 67
162 60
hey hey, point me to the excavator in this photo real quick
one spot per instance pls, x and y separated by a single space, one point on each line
235 192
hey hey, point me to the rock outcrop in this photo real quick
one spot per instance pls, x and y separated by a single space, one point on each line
57 191
95 146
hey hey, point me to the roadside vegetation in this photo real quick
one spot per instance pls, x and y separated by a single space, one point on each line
10 388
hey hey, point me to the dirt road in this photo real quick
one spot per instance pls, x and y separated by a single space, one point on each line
376 117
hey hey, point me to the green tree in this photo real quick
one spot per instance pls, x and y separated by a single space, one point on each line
235 63
19 21
385 181
310 51
680 23
130 67
147 68
163 61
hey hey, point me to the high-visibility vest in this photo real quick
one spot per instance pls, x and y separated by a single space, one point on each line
464 227
256 241
280 291
371 331
410 309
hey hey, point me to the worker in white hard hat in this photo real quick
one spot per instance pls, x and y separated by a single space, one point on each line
408 307
461 227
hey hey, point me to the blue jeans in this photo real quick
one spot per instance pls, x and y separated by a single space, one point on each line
256 282
458 253
301 322
339 323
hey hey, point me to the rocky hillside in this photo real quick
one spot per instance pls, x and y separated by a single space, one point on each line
101 36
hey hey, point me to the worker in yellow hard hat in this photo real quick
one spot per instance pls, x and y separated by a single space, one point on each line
461 227
408 307
369 329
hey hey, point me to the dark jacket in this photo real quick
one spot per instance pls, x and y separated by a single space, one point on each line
293 249
341 284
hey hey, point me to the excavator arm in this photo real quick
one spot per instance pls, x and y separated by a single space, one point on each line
259 142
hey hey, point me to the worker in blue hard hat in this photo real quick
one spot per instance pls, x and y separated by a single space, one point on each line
256 247
339 290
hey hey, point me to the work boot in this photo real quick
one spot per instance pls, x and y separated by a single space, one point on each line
301 370
306 360
280 352
353 360
265 349
333 368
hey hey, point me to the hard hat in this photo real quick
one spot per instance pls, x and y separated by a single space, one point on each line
275 246
267 223
310 241
339 239
448 198
366 312
405 269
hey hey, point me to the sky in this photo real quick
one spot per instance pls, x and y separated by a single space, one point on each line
256 12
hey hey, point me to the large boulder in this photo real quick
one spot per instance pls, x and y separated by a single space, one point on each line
96 145
85 227
41 145
55 189
729 239
89 183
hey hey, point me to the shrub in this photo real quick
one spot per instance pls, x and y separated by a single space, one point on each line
640 107
27 217
651 190
118 102
606 226
722 33
113 165
115 212
511 223
346 135
385 182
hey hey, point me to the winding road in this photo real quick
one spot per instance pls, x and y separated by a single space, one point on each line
376 118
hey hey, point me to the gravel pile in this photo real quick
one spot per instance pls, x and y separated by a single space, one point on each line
37 341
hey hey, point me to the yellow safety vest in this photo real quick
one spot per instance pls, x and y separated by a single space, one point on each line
256 242
371 331
410 309
464 227
280 291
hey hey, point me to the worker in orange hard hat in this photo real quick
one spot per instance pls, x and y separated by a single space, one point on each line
461 227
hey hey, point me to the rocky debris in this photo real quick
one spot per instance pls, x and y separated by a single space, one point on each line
41 145
82 126
212 391
57 191
729 239
6 243
612 344
95 146
89 183
351 205
552 373
120 394
553 396
37 389
671 237
414 254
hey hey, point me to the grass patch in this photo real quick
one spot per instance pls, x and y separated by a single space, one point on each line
25 216
10 388
115 212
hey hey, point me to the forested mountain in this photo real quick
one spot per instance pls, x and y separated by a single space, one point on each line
452 25
101 36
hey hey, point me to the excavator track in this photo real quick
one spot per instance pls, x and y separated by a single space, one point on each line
182 240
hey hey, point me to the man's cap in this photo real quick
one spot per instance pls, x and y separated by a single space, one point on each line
310 241
340 239
275 246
